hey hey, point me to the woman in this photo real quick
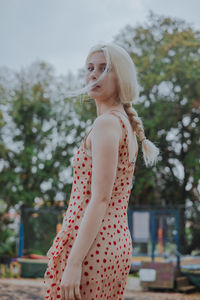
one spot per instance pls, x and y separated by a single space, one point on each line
91 255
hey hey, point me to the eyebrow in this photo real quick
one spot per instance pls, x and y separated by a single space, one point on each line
101 64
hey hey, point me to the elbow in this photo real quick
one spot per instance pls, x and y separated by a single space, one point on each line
101 198
104 199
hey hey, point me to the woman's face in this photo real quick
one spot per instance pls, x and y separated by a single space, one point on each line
107 87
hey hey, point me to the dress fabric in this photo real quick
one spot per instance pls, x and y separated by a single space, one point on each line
107 264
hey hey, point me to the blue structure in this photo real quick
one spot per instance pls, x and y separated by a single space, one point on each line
21 239
158 216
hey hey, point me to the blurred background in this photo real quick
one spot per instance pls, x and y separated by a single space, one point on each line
42 54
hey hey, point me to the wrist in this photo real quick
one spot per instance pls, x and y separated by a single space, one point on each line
74 262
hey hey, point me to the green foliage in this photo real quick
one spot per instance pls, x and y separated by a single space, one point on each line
40 128
166 53
7 235
43 136
37 140
40 229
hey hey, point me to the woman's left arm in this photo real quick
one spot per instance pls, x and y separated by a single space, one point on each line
105 143
105 138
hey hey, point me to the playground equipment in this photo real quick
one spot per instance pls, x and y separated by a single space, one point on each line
38 228
155 235
155 232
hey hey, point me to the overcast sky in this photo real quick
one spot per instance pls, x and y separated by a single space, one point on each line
62 31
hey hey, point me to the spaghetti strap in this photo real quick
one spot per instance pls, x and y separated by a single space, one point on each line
120 113
84 139
126 138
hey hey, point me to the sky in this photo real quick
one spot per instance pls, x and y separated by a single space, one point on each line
61 32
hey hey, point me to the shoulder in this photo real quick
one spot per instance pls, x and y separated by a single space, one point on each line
106 133
107 122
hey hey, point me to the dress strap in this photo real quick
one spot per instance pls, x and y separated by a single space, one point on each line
84 139
125 130
120 113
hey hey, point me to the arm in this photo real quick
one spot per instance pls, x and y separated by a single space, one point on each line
105 138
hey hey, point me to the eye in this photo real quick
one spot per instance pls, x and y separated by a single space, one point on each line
90 68
103 68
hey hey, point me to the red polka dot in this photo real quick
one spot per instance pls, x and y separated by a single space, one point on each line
114 238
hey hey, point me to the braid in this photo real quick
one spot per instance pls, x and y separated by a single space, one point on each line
135 121
150 151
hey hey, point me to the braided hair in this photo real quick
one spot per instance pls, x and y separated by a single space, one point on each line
150 151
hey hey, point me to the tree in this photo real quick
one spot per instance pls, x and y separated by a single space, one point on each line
38 138
39 131
166 53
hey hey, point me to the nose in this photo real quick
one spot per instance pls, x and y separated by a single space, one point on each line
94 74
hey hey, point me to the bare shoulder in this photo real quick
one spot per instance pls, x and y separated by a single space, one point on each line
106 134
107 122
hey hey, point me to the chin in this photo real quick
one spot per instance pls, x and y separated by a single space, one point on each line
94 95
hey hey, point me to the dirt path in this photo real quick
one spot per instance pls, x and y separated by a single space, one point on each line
13 289
29 289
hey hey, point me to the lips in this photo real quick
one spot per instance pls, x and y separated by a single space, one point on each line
95 87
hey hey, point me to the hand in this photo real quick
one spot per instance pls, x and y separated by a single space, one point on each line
70 283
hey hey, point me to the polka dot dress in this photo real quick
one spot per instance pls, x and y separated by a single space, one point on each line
106 266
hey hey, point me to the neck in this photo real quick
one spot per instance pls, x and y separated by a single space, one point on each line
102 108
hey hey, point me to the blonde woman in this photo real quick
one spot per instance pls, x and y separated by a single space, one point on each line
91 255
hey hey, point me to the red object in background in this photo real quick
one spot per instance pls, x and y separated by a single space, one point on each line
34 256
160 240
58 227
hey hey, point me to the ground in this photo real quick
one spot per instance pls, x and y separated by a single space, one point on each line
29 289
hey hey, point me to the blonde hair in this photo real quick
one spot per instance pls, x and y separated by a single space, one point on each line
118 59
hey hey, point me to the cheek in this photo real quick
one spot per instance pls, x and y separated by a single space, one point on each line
115 85
112 80
112 86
